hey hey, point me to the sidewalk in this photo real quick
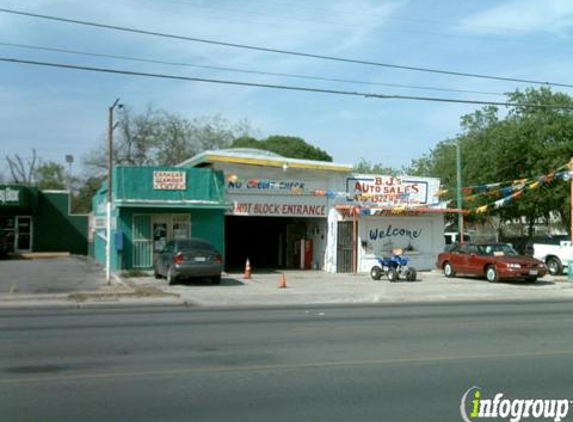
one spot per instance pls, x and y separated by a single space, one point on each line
315 287
303 288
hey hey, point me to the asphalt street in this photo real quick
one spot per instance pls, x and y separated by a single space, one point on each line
400 362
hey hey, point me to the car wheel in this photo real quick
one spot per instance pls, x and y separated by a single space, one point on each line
216 280
449 270
411 274
375 272
392 274
491 274
554 266
171 279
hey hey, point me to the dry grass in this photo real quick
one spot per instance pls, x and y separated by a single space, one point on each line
140 292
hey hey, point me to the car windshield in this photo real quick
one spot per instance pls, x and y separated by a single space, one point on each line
195 244
497 249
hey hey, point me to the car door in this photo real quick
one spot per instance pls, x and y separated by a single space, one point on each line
474 261
458 258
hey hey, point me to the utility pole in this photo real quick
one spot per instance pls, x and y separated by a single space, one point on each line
110 127
459 191
570 262
571 201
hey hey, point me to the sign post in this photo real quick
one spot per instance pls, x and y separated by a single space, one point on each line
459 191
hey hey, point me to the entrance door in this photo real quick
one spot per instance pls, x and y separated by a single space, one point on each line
23 234
8 230
344 247
142 241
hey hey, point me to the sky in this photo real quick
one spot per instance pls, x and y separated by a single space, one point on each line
60 112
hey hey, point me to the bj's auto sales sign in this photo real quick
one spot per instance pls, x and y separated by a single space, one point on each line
390 190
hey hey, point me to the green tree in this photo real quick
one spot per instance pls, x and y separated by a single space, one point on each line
524 142
82 200
50 175
367 167
287 146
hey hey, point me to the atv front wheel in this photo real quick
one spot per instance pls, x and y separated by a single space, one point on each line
375 272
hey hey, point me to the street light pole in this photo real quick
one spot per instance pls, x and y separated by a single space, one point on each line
459 191
110 128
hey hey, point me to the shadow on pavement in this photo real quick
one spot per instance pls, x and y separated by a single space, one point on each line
225 282
539 283
515 282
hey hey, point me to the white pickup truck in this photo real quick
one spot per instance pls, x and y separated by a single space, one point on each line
555 254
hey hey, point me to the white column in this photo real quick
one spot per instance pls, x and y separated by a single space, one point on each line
108 243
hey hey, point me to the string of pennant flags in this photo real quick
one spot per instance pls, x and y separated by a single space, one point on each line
514 191
509 191
513 185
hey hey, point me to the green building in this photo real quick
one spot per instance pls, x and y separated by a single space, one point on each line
33 220
152 205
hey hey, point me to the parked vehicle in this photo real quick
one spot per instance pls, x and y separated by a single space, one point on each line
451 238
495 261
394 267
555 254
555 251
188 258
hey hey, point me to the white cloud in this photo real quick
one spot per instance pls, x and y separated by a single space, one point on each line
554 16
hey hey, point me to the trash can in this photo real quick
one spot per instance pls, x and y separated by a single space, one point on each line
570 270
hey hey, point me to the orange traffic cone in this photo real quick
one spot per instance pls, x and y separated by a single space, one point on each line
247 275
282 284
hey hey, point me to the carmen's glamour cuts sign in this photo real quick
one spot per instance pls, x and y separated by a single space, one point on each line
169 180
390 191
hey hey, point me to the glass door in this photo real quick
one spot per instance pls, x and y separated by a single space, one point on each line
23 234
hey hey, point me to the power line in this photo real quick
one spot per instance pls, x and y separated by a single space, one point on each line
375 17
278 51
283 87
248 71
372 24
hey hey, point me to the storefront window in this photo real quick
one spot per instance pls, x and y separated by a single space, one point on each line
181 226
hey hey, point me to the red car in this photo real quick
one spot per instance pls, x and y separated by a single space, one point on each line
495 261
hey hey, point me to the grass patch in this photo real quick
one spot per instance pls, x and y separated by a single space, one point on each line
138 293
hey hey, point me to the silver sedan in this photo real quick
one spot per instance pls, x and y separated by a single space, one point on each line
188 258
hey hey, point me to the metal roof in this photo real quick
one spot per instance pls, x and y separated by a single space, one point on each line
256 157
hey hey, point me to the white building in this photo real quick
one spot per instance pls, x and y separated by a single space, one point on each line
291 213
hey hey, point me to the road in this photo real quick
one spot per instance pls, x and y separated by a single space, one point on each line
354 363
